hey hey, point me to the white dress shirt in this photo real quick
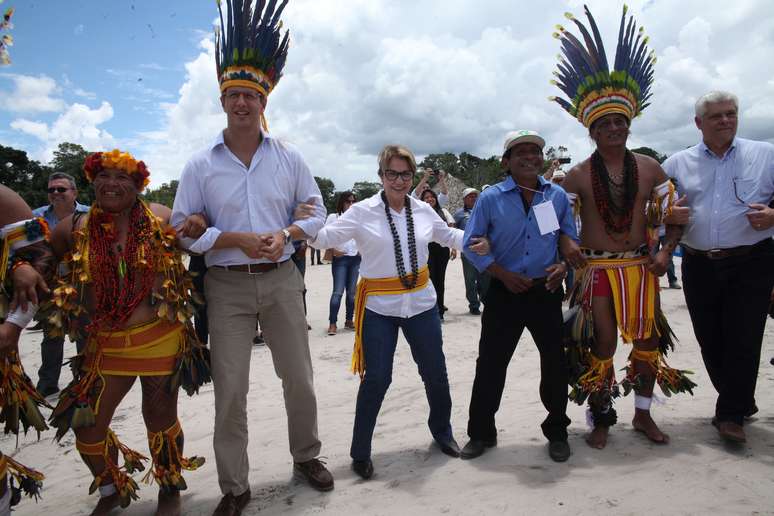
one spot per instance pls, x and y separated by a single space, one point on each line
349 248
366 223
255 199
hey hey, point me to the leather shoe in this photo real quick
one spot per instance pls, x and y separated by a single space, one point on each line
730 431
315 473
231 505
559 451
449 447
364 468
476 447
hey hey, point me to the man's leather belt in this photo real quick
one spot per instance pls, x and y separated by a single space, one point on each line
720 254
251 268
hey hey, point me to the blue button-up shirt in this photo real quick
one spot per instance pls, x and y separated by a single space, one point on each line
708 181
461 217
515 240
47 212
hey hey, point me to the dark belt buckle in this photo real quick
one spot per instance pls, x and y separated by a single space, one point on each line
716 254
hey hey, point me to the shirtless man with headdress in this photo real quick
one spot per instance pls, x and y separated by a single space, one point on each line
25 260
128 293
622 198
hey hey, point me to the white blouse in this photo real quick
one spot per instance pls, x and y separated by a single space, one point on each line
349 248
366 223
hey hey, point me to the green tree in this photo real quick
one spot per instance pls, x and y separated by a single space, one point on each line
364 189
328 191
26 177
650 152
164 194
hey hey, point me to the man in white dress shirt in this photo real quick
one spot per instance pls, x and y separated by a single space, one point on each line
248 183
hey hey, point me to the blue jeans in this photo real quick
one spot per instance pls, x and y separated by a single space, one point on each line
380 337
345 270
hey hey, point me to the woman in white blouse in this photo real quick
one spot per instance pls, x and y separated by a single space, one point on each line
345 268
392 232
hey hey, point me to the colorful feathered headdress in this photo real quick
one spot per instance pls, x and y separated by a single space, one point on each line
248 49
118 160
6 40
595 91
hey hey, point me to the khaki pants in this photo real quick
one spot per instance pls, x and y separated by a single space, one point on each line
233 300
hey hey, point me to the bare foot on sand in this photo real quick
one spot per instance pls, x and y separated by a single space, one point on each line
642 422
598 437
106 504
169 503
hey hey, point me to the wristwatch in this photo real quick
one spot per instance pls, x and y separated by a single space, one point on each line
287 235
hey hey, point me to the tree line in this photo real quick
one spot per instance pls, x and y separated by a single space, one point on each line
29 178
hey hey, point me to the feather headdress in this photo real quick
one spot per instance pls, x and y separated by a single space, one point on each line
593 89
248 49
6 40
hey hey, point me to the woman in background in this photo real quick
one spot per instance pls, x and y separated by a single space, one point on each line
345 269
439 255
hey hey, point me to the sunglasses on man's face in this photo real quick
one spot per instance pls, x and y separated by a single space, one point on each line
57 189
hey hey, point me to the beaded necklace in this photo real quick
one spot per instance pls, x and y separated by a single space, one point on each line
617 217
408 283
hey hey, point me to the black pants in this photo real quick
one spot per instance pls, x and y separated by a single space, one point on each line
505 316
728 300
437 260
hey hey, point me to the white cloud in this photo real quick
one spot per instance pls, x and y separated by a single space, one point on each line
77 124
31 95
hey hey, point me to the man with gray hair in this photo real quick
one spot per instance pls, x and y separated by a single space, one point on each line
727 273
62 196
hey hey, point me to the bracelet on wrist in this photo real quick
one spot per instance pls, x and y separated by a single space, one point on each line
19 263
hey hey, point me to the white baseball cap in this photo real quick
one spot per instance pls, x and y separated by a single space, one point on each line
468 191
524 136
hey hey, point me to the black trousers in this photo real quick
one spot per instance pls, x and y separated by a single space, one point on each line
728 301
437 260
505 316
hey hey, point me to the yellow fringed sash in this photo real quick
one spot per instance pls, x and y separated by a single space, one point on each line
634 290
377 287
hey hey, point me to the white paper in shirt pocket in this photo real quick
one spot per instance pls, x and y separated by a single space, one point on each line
546 217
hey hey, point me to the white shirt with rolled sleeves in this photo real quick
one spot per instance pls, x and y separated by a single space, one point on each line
366 223
236 198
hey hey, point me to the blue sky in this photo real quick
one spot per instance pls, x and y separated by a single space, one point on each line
435 75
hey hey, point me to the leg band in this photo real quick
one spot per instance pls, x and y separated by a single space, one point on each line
642 402
168 461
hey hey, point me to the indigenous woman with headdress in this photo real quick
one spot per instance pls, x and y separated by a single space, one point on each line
392 231
129 295
439 255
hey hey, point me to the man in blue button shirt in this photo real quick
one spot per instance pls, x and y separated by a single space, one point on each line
62 196
525 290
727 268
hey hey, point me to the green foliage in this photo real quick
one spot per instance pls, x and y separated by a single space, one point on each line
650 152
328 191
470 169
365 189
164 194
26 177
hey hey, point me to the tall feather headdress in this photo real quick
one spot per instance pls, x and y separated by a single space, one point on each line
249 49
6 40
583 74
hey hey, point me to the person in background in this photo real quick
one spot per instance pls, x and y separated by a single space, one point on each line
62 198
476 282
345 269
424 184
439 255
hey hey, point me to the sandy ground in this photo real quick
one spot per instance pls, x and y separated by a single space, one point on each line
696 473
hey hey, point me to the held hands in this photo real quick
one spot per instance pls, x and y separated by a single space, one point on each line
571 252
193 226
680 214
27 282
556 274
761 218
659 263
479 245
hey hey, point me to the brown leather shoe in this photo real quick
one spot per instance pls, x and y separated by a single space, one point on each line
231 505
731 432
315 472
